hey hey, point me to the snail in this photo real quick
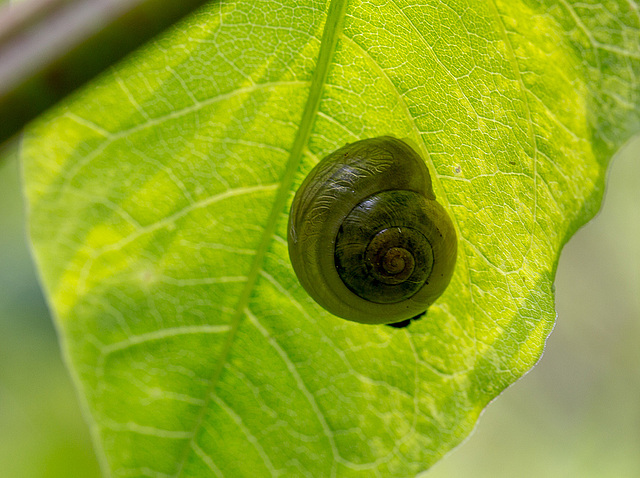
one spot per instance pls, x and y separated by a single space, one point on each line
366 237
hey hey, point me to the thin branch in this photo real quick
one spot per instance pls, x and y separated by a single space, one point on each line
48 48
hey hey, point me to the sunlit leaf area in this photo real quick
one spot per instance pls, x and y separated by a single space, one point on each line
155 204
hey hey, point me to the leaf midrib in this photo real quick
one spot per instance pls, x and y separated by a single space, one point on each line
331 32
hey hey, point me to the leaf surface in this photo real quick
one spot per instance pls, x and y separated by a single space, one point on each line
158 208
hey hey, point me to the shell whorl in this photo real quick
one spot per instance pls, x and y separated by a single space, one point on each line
367 239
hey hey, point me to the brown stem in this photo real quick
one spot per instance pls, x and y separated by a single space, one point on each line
48 48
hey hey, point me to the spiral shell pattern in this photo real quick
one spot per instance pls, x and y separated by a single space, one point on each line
367 239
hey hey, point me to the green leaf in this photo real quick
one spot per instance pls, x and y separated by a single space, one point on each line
159 200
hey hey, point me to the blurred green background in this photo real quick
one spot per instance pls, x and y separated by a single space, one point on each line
577 414
42 433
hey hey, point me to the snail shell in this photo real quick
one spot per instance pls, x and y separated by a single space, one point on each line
367 239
